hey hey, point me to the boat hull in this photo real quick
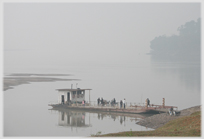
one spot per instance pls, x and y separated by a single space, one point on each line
109 109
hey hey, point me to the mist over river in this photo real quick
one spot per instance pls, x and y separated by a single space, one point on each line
119 50
27 104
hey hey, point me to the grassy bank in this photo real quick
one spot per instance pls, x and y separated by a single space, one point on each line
184 126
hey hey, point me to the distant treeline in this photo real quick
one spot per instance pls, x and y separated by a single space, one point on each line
186 45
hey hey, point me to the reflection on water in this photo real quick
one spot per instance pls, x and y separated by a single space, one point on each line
75 119
72 119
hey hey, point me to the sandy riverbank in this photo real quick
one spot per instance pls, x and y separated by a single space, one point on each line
19 79
33 74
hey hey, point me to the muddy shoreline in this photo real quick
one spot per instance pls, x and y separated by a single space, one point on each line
12 80
159 120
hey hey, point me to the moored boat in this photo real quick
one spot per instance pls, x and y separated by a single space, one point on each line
75 99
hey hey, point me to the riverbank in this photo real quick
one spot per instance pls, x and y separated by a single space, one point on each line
159 120
188 123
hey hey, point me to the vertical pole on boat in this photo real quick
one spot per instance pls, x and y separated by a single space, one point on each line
89 96
76 99
163 104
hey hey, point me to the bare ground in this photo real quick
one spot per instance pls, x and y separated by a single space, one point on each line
159 120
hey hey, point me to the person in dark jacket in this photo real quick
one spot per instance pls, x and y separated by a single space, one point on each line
121 103
171 111
114 101
98 101
102 101
124 102
148 102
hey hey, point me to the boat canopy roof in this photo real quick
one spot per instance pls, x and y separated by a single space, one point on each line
78 89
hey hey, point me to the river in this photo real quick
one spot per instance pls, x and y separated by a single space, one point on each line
26 110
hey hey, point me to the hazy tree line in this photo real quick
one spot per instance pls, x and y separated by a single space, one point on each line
185 46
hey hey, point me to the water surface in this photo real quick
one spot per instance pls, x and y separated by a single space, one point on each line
26 110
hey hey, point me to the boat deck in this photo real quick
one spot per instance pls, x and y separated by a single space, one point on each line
153 109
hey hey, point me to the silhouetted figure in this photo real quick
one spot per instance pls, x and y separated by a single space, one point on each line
98 100
83 102
102 101
113 102
148 102
121 103
124 103
171 111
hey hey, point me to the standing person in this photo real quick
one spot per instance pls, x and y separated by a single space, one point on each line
171 111
83 103
121 103
102 101
124 103
98 101
148 102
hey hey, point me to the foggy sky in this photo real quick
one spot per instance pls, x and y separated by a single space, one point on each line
70 32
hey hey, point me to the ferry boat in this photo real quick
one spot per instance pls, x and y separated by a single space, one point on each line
75 99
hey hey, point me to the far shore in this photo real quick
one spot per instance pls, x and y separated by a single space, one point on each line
33 74
18 79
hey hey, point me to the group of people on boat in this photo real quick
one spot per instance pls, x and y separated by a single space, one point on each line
101 102
171 110
113 102
122 103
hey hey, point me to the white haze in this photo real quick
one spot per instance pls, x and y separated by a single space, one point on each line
103 44
62 33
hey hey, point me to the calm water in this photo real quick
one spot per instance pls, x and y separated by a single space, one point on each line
26 113
26 110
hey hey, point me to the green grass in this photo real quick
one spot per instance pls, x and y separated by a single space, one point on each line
184 126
